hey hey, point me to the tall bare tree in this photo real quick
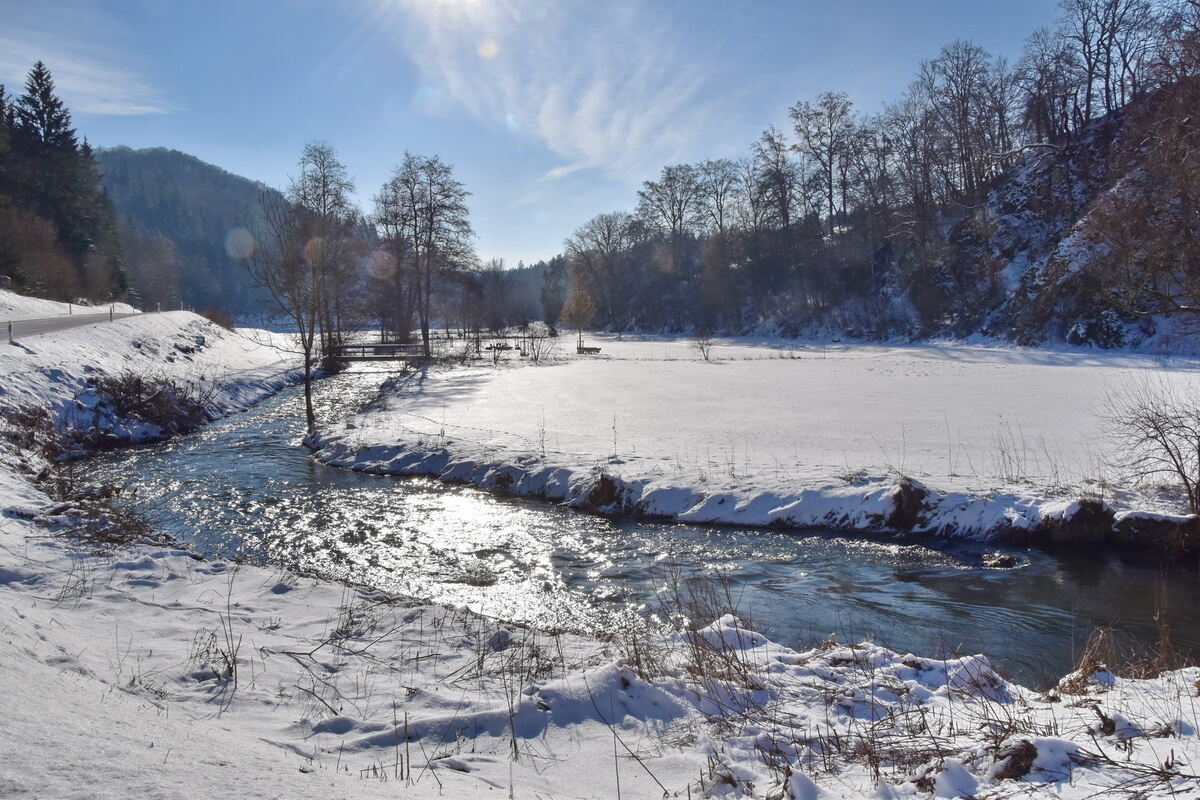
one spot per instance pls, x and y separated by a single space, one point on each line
596 253
673 202
719 182
825 130
280 264
321 198
427 211
395 277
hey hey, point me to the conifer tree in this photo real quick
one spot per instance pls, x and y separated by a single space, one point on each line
41 116
50 186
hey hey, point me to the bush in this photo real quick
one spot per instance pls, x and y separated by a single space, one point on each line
174 407
220 317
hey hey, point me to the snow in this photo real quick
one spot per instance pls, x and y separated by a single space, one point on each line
1001 439
15 306
52 371
113 667
142 669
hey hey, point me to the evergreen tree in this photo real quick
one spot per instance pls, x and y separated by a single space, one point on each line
65 241
41 116
6 130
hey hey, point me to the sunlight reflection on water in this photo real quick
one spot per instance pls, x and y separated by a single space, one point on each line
245 488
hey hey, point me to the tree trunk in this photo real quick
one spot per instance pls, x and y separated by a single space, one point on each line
309 415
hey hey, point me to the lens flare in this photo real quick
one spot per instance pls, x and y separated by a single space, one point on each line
239 244
381 264
488 49
314 249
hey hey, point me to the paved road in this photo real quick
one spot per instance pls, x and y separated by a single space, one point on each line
23 328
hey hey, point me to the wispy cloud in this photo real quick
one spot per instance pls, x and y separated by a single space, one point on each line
599 84
89 78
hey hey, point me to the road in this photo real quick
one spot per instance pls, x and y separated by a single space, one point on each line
24 328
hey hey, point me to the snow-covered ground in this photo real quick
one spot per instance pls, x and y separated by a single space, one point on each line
56 372
142 670
1000 440
117 666
15 306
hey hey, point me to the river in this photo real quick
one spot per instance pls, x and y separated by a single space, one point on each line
245 488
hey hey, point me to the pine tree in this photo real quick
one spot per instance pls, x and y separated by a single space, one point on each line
6 127
40 114
51 183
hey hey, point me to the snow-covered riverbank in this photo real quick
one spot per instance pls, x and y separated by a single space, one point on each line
950 439
64 375
141 669
148 671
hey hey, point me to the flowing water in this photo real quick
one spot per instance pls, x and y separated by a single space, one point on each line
244 487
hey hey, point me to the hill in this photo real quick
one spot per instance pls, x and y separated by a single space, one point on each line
183 225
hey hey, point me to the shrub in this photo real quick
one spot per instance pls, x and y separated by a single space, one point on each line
220 317
174 407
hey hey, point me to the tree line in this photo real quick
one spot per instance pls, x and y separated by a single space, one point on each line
876 222
58 231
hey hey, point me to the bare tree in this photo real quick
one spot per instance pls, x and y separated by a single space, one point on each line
541 342
1047 74
280 264
779 178
672 202
1157 428
395 280
750 201
719 181
427 207
825 130
327 219
596 253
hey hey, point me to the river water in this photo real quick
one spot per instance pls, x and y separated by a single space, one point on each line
244 487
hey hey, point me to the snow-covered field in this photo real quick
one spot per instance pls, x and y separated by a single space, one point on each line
15 306
141 670
1000 440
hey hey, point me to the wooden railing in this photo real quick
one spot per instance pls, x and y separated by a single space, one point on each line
381 352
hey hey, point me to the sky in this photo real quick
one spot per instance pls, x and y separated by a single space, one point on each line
551 111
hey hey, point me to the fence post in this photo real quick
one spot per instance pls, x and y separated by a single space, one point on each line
10 331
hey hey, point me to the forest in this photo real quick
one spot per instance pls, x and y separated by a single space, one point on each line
1033 199
58 230
1036 199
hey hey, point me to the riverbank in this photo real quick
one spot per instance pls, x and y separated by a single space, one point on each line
137 667
145 669
129 381
950 440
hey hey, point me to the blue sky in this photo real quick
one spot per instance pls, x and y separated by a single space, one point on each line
551 110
